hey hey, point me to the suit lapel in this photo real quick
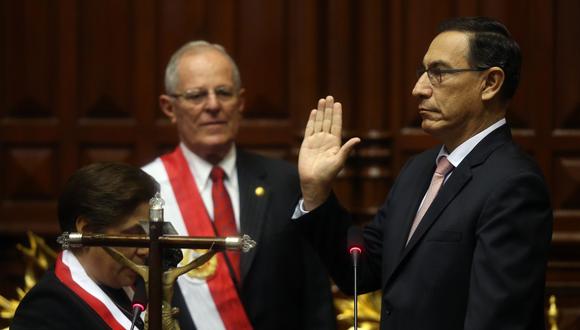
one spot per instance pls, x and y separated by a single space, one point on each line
253 201
412 193
417 190
450 189
460 177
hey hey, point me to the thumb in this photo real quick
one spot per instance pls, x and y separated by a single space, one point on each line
347 148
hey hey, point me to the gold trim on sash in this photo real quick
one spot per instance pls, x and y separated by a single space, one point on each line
204 271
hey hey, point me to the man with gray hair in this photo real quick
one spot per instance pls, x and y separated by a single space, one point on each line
213 188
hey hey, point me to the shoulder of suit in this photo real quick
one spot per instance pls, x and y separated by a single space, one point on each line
151 165
48 284
512 158
269 164
157 170
48 292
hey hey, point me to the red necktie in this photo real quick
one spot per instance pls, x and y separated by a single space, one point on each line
223 214
443 167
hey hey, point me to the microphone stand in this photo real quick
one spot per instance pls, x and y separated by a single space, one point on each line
355 251
137 310
139 300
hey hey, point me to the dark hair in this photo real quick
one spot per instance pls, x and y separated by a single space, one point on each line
105 194
490 44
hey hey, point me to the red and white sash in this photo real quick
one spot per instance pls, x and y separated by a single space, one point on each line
72 274
213 302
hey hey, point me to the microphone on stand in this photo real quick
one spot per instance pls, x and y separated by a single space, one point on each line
139 300
171 258
355 248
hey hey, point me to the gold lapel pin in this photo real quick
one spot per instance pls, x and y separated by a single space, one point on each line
260 191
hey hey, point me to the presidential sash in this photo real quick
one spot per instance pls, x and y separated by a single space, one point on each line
210 293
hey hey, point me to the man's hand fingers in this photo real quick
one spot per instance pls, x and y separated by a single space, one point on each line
310 125
328 109
347 148
336 128
319 116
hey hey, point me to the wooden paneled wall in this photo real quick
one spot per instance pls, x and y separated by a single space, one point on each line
79 82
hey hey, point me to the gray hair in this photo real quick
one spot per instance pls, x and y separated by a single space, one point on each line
197 46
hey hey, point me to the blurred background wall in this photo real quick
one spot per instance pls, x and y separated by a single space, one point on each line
79 82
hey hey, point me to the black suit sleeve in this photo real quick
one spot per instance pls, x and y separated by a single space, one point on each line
32 314
326 229
508 269
50 305
317 312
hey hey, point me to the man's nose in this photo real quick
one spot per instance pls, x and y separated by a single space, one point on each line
212 102
423 87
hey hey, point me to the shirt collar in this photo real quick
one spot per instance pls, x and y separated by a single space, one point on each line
457 156
200 168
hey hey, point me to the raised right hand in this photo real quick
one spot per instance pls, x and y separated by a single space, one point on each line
322 154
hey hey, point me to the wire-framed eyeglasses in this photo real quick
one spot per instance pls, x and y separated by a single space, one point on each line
200 96
435 74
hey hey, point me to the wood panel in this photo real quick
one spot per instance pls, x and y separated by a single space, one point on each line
80 79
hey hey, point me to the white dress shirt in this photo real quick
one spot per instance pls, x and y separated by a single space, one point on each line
200 169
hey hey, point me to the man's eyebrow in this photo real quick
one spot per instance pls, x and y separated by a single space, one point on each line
438 63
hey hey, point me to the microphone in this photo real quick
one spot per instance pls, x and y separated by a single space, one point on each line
355 241
139 300
355 248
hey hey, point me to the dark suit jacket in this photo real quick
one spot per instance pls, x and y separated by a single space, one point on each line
50 305
477 259
284 284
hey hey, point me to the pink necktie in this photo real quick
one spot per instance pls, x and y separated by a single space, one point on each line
223 214
443 167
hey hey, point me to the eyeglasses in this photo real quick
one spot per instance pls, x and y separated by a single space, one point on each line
200 96
435 74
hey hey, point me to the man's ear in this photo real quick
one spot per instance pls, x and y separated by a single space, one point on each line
166 105
242 100
81 224
492 84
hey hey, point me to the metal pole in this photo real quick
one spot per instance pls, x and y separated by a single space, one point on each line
155 273
155 262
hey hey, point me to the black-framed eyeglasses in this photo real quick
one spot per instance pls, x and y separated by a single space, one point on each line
200 96
435 74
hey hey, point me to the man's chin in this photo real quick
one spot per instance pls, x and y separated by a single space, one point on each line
428 125
217 141
215 131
